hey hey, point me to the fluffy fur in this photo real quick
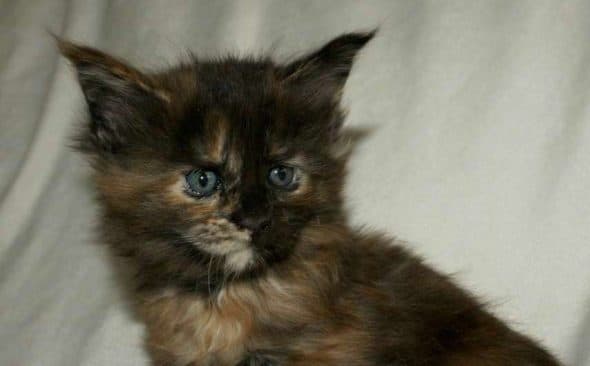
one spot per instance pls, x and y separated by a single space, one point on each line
303 288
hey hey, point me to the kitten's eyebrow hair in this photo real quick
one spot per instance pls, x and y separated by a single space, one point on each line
207 163
279 152
282 156
289 157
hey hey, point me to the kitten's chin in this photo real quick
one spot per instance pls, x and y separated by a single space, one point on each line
239 261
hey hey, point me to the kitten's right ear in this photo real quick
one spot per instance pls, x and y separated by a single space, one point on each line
321 74
118 96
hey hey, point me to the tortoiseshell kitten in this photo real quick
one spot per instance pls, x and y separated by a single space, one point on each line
221 180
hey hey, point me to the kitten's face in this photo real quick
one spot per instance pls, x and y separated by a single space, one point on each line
240 178
215 163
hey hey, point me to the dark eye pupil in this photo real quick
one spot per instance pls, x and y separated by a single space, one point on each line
282 174
203 180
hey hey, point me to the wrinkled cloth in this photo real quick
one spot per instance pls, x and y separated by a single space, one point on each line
478 153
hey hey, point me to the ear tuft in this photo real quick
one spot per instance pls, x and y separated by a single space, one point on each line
87 58
339 53
324 72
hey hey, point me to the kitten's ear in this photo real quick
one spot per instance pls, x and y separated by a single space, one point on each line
118 96
323 73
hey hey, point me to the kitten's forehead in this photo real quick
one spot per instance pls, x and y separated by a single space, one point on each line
233 82
243 128
216 135
234 144
241 115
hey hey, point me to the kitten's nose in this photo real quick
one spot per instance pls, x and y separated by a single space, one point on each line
250 222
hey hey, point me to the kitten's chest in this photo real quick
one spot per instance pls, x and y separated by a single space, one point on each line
194 331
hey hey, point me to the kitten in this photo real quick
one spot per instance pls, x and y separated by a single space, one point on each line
221 180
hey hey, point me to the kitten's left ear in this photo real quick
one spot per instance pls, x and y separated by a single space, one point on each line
323 73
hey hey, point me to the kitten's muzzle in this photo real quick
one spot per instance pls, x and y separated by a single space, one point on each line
252 222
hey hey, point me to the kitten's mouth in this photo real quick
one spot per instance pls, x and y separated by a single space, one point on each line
222 239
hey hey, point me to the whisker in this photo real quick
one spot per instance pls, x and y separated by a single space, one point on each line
209 275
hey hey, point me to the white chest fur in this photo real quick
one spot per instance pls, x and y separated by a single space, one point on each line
197 331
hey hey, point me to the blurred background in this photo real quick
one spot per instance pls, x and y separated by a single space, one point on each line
480 156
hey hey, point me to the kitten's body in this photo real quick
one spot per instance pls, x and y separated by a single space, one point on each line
349 300
260 268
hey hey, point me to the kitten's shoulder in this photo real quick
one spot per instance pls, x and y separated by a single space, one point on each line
380 248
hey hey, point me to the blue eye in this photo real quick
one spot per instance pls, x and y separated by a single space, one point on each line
282 177
202 183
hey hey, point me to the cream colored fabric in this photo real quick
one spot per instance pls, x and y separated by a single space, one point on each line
479 156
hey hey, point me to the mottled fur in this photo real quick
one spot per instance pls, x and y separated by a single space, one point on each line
305 290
